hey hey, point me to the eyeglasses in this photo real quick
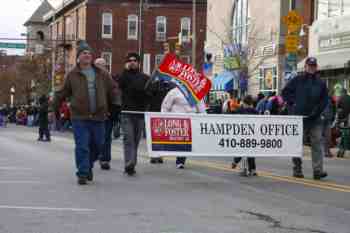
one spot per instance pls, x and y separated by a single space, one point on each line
132 60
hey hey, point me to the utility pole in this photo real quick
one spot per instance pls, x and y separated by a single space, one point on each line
140 31
194 42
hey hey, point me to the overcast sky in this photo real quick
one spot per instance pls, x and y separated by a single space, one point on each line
14 13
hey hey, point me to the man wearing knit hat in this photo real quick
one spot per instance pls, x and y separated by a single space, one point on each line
91 91
134 101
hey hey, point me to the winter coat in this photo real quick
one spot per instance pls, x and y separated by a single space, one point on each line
76 88
307 95
175 101
132 84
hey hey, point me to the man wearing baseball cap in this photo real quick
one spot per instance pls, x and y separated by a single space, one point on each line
307 95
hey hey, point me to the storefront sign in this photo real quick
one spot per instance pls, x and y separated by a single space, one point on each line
223 135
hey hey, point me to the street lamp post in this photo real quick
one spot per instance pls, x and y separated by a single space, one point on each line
12 96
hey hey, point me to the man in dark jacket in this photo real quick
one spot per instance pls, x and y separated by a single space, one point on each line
307 95
344 107
91 92
44 119
134 102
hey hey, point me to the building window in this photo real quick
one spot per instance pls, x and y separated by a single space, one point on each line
161 28
132 27
186 59
158 60
332 8
185 29
268 79
240 22
107 24
108 58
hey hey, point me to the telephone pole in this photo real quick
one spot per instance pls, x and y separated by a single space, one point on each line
194 42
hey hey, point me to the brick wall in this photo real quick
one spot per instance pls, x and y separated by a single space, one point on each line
119 45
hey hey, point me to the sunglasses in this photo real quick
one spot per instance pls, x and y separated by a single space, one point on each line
132 60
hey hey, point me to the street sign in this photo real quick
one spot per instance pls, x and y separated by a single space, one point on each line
292 43
293 21
9 45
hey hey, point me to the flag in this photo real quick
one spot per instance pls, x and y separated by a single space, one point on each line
192 84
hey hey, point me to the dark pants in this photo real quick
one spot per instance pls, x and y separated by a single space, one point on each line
44 131
317 151
132 125
180 160
89 140
251 162
107 147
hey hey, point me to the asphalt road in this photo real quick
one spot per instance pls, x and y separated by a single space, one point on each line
39 194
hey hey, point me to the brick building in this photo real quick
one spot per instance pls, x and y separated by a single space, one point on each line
37 29
260 31
115 27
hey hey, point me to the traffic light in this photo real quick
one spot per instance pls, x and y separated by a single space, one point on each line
177 48
166 48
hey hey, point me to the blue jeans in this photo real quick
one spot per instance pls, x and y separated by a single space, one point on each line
87 134
107 148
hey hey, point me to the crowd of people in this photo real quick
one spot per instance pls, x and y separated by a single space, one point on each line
92 103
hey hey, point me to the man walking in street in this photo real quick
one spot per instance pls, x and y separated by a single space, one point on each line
91 93
307 95
134 100
106 155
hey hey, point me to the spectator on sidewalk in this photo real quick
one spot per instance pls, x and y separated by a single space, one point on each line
44 119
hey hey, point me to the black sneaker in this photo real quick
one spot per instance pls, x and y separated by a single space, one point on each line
82 180
153 160
298 175
90 176
130 170
105 166
320 175
160 160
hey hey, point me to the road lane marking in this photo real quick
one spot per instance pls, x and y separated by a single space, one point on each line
46 208
306 182
15 168
19 182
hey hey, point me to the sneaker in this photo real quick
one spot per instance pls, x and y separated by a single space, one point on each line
243 173
153 160
320 175
234 165
160 160
253 173
105 166
180 166
90 176
130 170
82 180
40 139
298 173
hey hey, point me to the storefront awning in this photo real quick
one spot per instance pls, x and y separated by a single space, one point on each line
223 81
330 61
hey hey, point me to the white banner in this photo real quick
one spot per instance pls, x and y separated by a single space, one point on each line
170 134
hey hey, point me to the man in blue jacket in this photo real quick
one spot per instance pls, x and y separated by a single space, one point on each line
307 95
